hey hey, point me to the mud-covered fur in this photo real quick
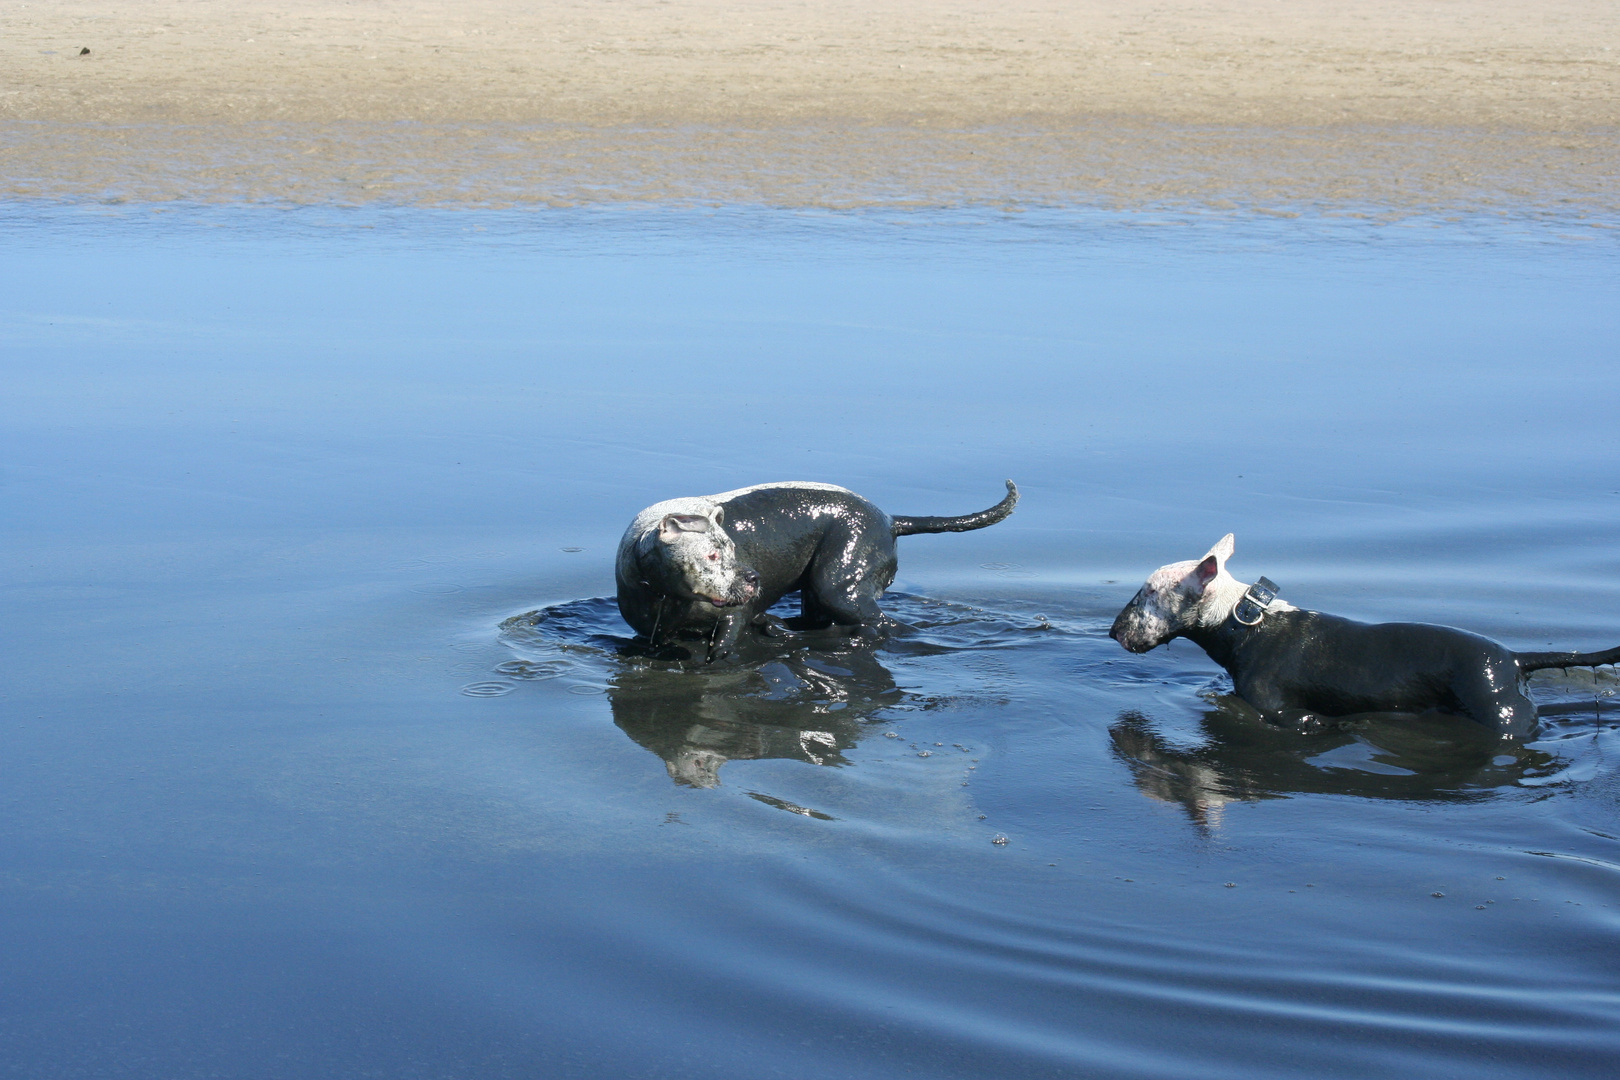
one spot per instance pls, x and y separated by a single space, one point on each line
1297 666
714 564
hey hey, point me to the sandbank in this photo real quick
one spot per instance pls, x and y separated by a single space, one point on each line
1383 106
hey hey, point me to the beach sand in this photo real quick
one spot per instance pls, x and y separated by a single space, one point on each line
1381 106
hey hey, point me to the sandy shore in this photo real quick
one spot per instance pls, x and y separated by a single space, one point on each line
1379 104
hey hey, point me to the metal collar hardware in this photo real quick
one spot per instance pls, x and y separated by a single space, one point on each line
1252 608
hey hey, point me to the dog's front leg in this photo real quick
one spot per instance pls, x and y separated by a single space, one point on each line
728 631
1276 707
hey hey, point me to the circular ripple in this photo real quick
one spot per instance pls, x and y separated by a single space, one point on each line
423 562
437 588
585 688
487 689
534 670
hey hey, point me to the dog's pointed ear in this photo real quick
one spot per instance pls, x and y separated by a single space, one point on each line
719 515
1204 573
674 525
1223 549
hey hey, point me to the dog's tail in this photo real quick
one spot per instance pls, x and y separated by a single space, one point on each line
907 526
1535 661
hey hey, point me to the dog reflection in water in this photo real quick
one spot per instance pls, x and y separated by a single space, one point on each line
805 706
1241 759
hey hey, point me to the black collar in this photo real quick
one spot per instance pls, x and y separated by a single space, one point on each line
1252 608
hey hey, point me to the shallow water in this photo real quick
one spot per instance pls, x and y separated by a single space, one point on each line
296 785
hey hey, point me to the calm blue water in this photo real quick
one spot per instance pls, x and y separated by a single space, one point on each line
284 797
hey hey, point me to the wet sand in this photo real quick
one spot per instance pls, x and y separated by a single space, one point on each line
1291 104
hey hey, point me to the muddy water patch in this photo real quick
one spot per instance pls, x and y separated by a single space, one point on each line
811 699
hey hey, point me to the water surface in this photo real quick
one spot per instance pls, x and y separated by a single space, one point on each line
295 784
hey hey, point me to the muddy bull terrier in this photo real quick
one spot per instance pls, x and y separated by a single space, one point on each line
1292 664
716 563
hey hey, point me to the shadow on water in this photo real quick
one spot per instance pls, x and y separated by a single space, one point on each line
1241 758
807 698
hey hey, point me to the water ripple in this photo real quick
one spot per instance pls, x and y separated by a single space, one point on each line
488 689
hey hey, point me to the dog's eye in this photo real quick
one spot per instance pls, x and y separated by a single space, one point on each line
714 556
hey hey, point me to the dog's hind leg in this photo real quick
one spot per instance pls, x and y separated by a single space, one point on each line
843 583
851 606
1300 721
1506 710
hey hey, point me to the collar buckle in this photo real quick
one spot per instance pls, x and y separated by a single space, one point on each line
1252 608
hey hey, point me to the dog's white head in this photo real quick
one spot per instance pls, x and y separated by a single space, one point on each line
1198 592
686 553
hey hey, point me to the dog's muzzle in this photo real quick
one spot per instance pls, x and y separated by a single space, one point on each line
1127 633
746 589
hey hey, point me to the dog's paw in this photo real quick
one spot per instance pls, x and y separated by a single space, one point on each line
771 626
1305 723
870 633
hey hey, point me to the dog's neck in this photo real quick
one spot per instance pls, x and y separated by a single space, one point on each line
1221 595
1214 629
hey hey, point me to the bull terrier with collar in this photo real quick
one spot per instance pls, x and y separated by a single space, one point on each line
1295 666
716 563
